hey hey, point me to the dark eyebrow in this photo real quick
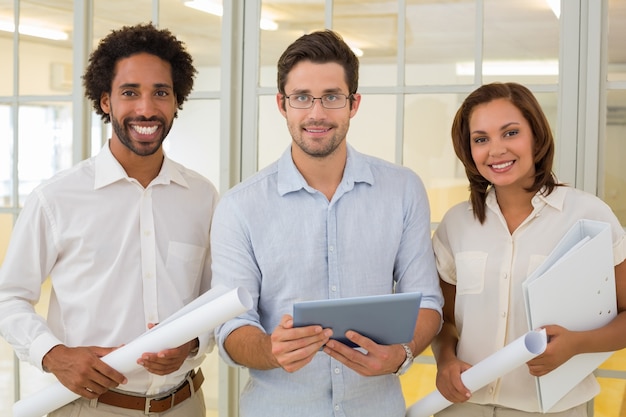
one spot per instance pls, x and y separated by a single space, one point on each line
503 127
137 85
506 126
327 91
129 85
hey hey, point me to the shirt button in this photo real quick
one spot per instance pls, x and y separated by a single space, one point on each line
333 288
503 314
331 248
336 408
490 390
337 370
147 232
505 276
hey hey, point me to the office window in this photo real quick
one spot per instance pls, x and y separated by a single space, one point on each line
440 42
613 144
521 42
46 146
6 156
7 382
6 46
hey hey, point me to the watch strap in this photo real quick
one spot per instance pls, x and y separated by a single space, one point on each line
407 362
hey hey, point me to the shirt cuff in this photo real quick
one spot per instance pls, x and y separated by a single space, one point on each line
40 346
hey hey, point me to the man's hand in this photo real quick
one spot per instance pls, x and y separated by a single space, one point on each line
295 347
81 370
376 360
166 361
449 382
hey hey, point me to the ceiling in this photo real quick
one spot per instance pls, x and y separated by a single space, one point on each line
436 31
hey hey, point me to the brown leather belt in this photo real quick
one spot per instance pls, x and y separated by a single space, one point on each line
157 404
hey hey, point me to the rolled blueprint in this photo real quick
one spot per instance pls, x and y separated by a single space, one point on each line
208 311
489 369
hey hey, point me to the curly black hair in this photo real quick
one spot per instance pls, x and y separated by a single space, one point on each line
131 40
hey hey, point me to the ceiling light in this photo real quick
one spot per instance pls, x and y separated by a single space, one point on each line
55 35
268 24
540 67
216 9
206 6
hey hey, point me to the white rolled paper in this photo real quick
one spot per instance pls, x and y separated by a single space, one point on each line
208 311
484 372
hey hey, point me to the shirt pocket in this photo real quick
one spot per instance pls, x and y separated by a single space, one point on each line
184 264
470 272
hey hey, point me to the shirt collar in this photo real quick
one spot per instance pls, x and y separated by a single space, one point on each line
555 199
290 179
108 170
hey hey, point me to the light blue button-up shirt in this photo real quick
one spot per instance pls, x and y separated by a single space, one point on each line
285 242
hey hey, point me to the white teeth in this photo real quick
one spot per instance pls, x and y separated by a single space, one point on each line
501 166
145 130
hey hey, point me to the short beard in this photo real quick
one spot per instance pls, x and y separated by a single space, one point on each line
122 133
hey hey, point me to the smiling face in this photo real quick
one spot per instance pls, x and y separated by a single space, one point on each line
317 132
142 103
501 142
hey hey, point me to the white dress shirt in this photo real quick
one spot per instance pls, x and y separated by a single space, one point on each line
119 256
487 264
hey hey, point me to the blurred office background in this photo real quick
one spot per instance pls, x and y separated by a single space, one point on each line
420 58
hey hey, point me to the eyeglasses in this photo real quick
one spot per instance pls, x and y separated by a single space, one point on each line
329 101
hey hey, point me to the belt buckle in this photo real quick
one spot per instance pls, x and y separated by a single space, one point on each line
172 394
148 404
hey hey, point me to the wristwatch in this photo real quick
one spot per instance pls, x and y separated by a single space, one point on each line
407 362
195 349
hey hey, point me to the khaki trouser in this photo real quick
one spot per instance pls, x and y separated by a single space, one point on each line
82 407
478 410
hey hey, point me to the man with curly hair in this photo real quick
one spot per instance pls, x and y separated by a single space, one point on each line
124 238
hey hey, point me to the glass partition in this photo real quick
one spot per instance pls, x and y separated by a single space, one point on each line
616 35
50 140
194 138
521 42
201 31
7 382
286 21
614 174
6 156
613 144
6 46
440 42
45 48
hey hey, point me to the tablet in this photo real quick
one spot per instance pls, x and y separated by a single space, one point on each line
386 319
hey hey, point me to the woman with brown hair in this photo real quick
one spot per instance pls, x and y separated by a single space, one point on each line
486 248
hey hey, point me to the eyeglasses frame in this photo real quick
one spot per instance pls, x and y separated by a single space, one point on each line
349 97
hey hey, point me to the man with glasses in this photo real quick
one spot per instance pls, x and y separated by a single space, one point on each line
322 222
